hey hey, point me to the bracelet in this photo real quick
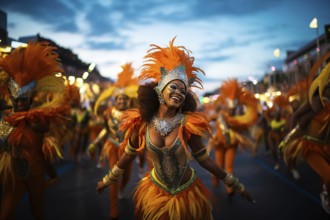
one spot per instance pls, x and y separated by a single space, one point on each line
201 155
130 150
233 183
113 175
91 147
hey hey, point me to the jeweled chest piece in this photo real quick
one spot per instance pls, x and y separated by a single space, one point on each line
165 125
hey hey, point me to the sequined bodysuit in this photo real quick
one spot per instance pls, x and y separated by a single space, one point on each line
170 164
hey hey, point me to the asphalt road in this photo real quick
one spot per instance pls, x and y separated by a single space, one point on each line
278 195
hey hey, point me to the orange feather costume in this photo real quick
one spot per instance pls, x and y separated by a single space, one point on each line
28 137
125 88
231 126
154 198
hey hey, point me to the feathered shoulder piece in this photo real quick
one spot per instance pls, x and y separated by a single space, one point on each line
319 83
193 123
164 64
131 120
196 123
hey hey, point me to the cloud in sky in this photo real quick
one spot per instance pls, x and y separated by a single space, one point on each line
227 38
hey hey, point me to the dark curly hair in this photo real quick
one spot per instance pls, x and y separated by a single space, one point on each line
148 102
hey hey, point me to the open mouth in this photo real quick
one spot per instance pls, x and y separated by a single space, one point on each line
175 99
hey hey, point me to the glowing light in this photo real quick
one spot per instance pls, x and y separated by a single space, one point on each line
5 49
96 88
273 68
71 79
79 82
314 23
277 52
91 67
85 75
206 100
15 44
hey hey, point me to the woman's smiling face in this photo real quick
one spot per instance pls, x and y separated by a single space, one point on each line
174 94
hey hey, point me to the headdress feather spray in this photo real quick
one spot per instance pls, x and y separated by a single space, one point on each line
126 84
166 64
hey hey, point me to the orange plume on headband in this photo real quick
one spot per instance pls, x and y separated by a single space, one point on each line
231 89
164 64
27 64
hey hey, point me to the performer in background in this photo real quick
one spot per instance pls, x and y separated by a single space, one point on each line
26 131
124 89
166 124
310 133
237 113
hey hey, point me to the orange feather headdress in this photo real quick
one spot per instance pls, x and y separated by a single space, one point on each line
26 65
164 65
125 84
230 92
32 69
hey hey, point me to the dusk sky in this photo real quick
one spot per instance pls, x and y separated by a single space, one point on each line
228 38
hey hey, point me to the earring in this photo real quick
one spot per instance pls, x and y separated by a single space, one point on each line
161 98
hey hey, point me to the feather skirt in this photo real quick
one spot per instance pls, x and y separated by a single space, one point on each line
152 202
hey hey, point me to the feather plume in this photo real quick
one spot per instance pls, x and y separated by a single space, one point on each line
27 64
169 58
126 84
231 89
320 83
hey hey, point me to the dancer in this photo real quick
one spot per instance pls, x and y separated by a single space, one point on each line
232 125
125 88
309 135
278 116
166 124
25 148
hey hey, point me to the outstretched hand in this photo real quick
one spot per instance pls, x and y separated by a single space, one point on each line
246 195
100 187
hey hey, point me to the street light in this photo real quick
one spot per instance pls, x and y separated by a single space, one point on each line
91 67
276 54
314 25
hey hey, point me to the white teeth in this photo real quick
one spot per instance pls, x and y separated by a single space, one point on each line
176 98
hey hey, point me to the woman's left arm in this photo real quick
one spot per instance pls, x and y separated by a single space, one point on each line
200 153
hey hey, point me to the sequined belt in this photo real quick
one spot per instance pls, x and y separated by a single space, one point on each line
159 183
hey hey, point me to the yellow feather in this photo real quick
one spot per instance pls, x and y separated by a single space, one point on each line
6 171
192 208
319 83
103 96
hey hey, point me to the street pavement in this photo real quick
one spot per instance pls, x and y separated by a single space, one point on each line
278 195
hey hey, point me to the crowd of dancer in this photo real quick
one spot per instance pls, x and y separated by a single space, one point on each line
157 119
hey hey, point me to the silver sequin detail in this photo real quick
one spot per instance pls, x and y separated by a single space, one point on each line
164 126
